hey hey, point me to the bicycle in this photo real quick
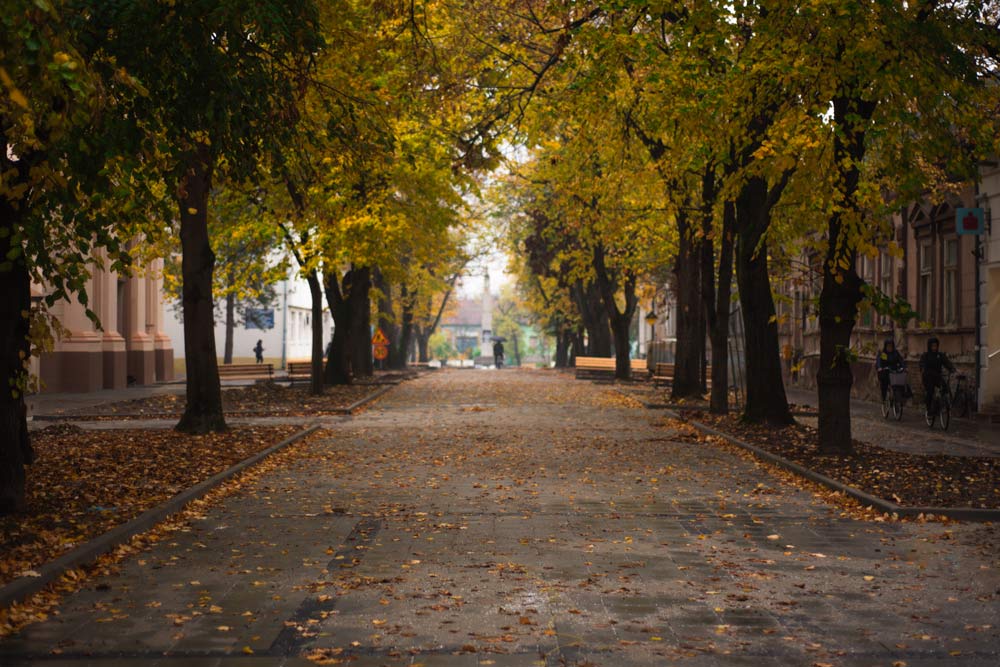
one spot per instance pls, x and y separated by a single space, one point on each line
963 397
895 395
940 405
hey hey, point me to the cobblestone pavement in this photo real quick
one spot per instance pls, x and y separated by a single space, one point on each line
524 518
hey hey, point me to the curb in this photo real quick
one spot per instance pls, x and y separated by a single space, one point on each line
957 513
90 550
350 409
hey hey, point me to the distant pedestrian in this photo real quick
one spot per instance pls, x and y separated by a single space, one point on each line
498 354
258 351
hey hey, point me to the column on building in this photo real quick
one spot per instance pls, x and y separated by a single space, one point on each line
163 350
139 343
76 363
113 354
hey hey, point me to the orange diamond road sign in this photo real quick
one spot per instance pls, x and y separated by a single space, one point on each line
379 338
380 352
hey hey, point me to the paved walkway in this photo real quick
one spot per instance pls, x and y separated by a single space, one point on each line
523 518
964 437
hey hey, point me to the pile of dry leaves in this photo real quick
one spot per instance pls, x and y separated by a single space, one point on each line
263 399
84 483
911 480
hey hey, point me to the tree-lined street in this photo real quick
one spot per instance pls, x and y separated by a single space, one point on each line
475 518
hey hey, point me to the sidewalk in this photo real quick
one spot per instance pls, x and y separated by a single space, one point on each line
964 437
526 519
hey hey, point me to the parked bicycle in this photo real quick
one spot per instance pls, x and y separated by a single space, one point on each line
895 396
963 396
940 405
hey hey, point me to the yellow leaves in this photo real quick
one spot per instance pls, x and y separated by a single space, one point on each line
16 96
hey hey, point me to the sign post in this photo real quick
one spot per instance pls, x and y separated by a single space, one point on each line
969 221
380 347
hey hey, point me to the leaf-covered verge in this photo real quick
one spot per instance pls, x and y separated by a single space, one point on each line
910 480
265 399
87 482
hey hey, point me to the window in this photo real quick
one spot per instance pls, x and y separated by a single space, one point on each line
951 281
925 282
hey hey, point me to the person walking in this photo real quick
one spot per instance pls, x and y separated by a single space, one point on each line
498 354
889 360
258 351
932 365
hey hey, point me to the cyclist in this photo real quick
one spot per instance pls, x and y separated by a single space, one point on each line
932 365
889 360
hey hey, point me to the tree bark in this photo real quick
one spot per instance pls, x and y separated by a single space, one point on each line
227 353
717 310
316 358
15 300
841 292
590 305
338 364
690 314
563 342
203 412
620 321
405 330
765 400
361 322
387 320
422 341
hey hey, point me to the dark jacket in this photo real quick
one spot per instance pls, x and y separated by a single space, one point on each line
889 360
932 364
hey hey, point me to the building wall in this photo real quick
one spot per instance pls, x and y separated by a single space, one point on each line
290 338
129 345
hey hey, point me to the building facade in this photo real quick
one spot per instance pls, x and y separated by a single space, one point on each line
950 279
128 347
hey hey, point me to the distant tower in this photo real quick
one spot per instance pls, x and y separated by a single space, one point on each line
487 317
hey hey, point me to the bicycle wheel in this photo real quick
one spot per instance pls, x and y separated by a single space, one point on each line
897 403
944 415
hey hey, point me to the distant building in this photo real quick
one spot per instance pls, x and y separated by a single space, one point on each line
470 326
285 330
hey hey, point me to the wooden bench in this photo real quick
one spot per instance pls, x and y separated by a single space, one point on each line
299 370
664 374
603 368
239 371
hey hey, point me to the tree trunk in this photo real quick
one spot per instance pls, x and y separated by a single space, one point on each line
361 321
690 314
15 301
405 330
718 312
316 303
422 341
590 305
387 320
227 353
563 342
517 352
338 363
203 412
765 399
620 321
841 293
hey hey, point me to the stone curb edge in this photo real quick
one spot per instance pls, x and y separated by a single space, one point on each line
957 513
349 410
89 551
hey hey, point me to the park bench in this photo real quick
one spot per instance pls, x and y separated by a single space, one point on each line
299 371
603 368
664 374
241 371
